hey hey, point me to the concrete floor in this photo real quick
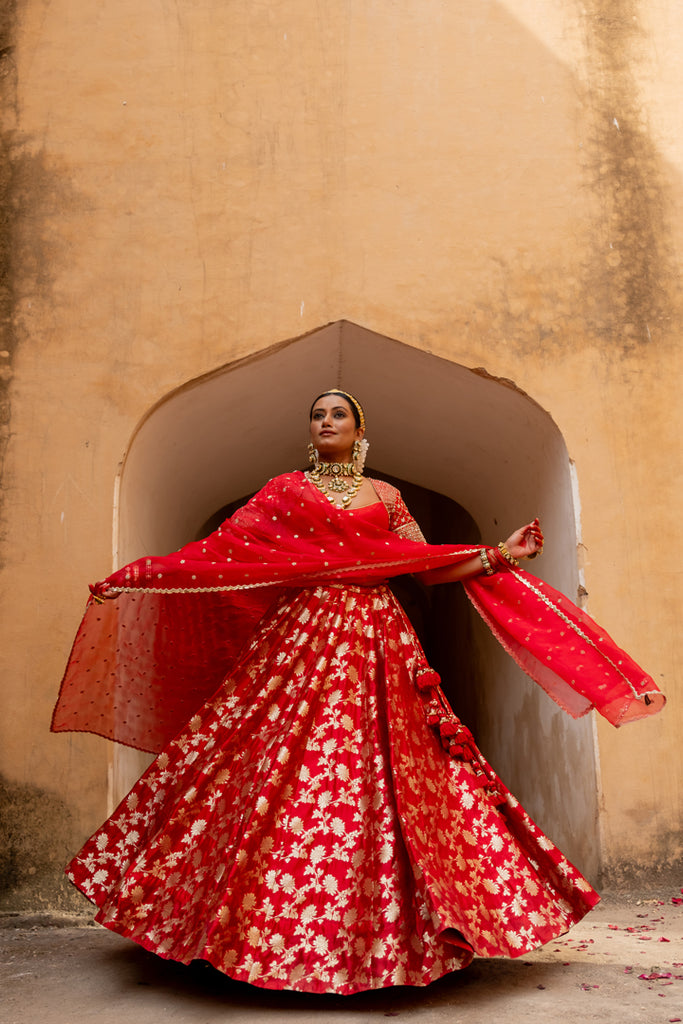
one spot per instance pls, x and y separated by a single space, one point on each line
78 973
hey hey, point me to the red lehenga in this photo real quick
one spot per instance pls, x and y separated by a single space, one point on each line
322 822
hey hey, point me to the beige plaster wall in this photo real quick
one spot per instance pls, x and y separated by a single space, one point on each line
498 184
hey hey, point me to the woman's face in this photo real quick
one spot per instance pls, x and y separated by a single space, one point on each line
333 428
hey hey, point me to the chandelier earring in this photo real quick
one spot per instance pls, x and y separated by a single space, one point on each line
360 451
313 456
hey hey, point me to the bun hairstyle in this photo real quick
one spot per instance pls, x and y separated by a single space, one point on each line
356 407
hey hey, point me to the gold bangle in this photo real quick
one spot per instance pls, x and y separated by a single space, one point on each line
506 554
489 570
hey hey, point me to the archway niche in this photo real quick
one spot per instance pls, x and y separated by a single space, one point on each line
439 428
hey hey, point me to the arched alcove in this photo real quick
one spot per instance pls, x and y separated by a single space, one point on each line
443 428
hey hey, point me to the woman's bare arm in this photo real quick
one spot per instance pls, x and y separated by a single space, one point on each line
523 543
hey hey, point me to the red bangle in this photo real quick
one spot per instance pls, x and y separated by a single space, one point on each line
497 560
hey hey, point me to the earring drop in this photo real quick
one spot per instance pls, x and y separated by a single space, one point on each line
360 451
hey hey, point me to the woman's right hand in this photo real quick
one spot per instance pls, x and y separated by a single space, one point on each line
527 542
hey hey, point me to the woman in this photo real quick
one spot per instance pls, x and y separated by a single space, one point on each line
318 819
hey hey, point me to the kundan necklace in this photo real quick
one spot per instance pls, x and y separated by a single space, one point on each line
344 479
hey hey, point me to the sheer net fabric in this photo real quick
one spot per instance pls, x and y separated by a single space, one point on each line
142 664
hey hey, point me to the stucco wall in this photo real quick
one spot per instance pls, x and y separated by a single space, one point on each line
497 184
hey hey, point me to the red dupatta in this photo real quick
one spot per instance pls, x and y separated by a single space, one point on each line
143 663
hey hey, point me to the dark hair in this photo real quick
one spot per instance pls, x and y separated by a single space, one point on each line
352 403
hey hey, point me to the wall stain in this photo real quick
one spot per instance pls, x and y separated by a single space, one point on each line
661 870
35 192
612 281
8 115
36 840
631 283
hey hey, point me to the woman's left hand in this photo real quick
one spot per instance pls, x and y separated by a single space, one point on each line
527 542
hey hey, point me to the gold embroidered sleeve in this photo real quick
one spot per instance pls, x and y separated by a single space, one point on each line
400 519
411 531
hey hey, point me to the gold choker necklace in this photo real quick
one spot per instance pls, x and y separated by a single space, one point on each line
339 483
